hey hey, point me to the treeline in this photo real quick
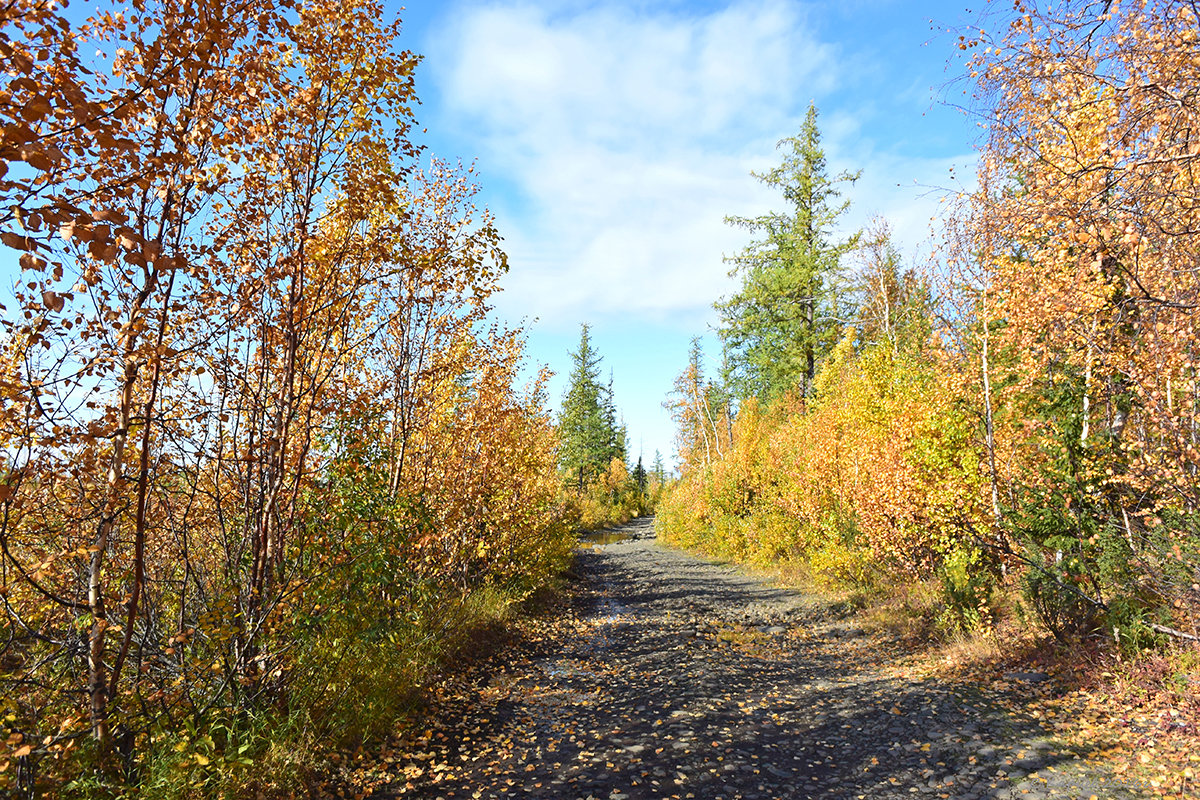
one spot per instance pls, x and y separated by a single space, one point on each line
262 461
1021 413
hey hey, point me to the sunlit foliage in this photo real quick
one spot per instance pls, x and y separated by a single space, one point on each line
253 429
1028 413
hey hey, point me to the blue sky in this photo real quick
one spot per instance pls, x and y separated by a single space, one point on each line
611 139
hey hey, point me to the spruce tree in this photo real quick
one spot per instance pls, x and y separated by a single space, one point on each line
589 433
784 318
618 437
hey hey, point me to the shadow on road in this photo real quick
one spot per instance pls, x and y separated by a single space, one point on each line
681 678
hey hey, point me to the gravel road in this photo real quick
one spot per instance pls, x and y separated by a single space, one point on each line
669 676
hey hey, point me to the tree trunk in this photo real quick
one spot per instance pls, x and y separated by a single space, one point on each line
988 419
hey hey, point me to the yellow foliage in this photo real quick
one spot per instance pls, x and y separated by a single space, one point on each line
879 477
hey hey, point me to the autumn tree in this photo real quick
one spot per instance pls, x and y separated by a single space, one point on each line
702 412
248 399
788 310
116 263
895 303
1091 235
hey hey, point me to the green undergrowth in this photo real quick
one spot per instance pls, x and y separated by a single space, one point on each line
357 670
354 681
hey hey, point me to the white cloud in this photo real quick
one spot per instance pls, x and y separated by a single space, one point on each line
626 137
615 76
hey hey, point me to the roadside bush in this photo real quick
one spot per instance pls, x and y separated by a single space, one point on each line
877 479
968 584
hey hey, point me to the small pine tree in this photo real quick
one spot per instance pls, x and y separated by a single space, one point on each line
618 437
639 476
589 432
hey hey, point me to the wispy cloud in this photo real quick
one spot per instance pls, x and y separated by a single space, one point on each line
625 136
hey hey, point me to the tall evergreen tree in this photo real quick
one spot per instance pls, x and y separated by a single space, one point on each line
784 318
590 435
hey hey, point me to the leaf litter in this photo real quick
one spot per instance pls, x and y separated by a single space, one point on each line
662 675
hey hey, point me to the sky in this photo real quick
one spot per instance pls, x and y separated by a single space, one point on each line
611 139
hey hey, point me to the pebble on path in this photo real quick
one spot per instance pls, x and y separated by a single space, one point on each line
676 678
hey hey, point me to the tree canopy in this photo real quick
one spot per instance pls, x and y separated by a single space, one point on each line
786 314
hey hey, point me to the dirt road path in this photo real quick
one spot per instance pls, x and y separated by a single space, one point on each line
674 677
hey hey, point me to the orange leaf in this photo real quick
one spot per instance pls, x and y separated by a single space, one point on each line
16 242
52 300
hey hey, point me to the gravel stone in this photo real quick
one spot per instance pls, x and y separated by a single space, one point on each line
696 680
